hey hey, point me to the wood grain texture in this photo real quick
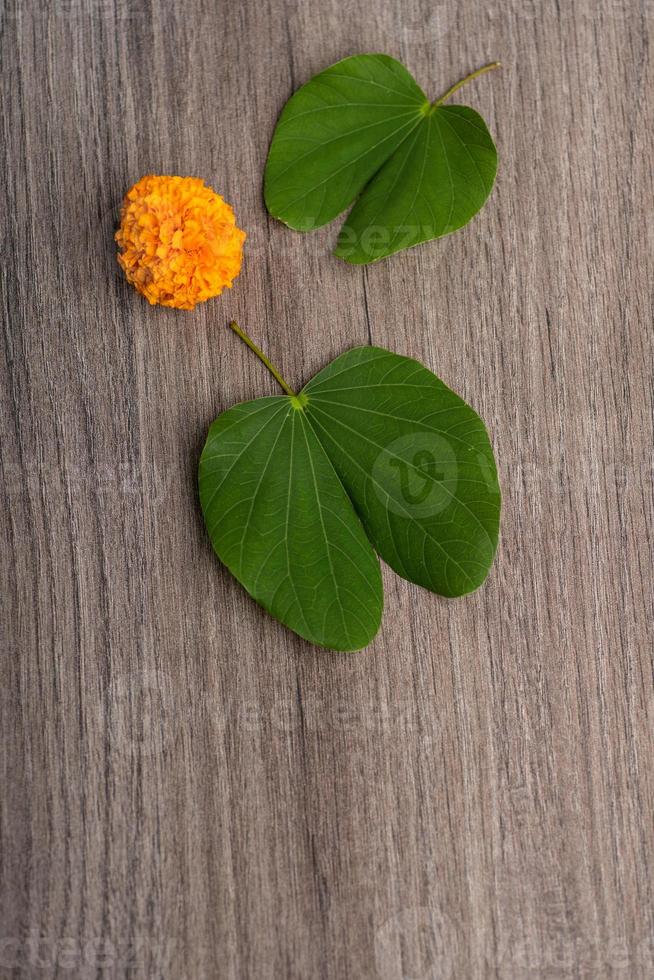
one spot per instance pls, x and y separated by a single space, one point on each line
189 791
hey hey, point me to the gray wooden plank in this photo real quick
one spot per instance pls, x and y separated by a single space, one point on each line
187 789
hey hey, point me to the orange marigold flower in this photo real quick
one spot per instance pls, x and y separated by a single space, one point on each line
179 241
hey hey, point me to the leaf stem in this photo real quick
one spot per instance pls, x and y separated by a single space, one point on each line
464 81
262 357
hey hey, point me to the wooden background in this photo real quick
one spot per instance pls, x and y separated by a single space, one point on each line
188 790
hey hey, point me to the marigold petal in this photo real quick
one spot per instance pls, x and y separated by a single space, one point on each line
179 242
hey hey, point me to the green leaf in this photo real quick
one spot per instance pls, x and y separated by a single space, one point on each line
375 453
335 133
435 183
363 130
280 520
417 463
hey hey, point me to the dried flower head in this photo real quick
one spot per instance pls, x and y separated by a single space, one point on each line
179 244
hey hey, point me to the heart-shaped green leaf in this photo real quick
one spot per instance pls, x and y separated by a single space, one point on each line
281 521
375 453
415 461
364 129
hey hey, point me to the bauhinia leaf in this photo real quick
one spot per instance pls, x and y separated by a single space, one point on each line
363 130
375 454
416 463
335 133
281 521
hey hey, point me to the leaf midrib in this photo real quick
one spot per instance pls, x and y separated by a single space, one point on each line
326 539
402 418
351 163
360 435
423 530
244 450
